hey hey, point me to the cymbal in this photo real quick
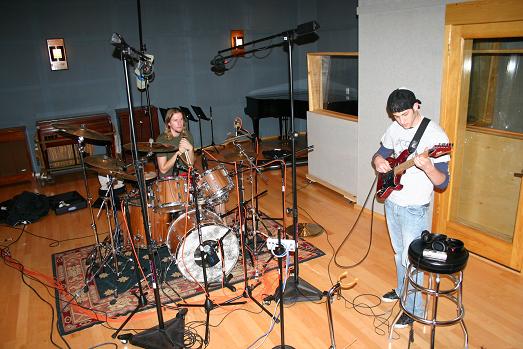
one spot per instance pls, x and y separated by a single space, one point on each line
305 229
105 162
123 175
82 131
154 147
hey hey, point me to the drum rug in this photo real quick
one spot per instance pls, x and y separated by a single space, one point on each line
111 294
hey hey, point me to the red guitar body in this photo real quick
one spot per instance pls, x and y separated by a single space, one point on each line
387 182
390 181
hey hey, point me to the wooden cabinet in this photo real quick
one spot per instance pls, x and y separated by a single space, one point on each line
14 156
142 126
57 152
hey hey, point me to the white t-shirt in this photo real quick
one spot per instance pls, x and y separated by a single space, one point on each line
417 187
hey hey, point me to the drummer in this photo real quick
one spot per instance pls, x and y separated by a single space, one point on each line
177 134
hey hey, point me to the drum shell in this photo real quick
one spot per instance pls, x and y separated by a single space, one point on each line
159 223
214 185
171 194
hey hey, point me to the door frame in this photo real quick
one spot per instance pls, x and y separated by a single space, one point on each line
477 19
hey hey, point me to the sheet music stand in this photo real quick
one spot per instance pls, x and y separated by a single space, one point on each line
201 115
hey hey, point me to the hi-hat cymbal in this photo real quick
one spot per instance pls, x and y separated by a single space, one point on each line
105 162
152 147
82 131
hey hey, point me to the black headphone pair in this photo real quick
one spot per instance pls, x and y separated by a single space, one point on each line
440 242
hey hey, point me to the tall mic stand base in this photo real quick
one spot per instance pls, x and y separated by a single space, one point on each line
300 291
283 347
171 336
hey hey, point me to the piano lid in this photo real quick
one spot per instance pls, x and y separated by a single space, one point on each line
281 91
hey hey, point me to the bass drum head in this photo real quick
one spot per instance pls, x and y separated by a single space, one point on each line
219 242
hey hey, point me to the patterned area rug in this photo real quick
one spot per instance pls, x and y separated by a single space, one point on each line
111 296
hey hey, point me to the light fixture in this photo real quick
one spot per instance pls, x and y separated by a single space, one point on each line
57 55
237 39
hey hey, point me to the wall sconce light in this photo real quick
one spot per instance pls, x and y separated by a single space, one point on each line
237 39
57 55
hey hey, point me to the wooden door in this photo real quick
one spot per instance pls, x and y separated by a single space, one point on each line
482 110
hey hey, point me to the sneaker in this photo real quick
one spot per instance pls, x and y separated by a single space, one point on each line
389 297
403 321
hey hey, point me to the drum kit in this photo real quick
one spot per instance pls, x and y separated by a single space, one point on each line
177 211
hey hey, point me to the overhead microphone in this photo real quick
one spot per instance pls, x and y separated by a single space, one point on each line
306 28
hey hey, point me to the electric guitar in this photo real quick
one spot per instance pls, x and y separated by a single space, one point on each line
389 181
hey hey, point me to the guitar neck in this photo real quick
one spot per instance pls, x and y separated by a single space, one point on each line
407 164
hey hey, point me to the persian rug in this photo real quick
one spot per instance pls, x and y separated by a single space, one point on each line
110 295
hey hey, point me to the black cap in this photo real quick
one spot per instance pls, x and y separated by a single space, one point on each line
400 100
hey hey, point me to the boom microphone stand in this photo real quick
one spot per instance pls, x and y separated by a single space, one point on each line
164 335
205 257
297 290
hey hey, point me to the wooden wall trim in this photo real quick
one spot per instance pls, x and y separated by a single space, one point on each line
484 11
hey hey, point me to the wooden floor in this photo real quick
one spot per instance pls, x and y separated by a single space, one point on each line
492 294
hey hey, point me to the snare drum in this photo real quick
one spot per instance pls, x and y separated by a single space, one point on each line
219 242
159 223
171 194
215 185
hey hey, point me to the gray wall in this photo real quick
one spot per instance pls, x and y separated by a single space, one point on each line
184 36
400 44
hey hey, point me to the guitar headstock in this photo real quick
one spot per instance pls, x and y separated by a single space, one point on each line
440 149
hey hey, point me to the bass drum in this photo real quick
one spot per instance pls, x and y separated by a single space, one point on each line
159 223
219 242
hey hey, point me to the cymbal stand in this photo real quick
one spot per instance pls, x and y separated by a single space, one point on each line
114 237
96 254
208 304
247 289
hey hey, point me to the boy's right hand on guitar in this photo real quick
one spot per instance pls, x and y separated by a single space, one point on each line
381 165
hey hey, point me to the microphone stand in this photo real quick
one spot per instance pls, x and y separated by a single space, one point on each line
208 304
297 289
163 335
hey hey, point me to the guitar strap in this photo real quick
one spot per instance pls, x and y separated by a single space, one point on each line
415 140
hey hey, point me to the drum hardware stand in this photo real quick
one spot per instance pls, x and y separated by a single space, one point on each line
164 335
141 295
208 304
247 293
95 256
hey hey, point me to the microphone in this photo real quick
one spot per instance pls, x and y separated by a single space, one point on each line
218 65
205 165
306 28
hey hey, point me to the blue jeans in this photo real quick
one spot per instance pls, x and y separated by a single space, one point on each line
405 223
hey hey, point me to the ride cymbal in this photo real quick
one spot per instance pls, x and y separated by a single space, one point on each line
152 147
105 162
82 131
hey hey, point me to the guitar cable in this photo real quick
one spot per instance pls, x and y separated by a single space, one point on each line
351 230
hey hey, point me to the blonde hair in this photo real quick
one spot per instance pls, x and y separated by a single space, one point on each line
168 117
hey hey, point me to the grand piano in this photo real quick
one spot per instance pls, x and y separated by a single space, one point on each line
277 105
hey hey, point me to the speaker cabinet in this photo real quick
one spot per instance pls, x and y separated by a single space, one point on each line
15 160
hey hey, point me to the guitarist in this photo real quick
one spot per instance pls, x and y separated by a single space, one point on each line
406 210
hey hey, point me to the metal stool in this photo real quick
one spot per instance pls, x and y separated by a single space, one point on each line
435 270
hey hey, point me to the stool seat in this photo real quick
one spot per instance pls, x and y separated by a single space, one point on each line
456 261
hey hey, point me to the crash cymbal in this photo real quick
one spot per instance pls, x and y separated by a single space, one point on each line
152 147
305 229
105 162
82 131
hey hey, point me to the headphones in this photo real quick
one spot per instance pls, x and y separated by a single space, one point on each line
440 242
